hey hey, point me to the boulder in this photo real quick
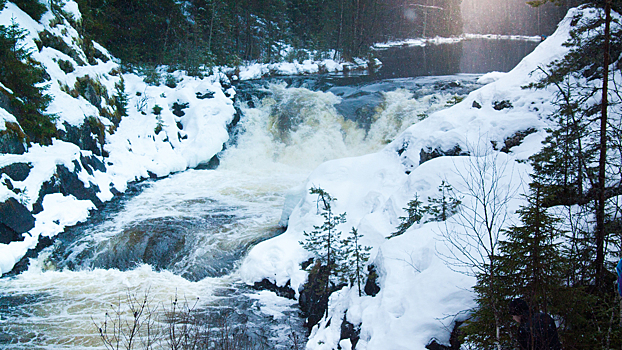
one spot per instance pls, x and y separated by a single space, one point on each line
351 332
286 291
429 153
15 219
501 105
86 136
210 165
17 171
68 183
71 184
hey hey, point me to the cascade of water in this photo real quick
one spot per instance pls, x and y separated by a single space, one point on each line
185 235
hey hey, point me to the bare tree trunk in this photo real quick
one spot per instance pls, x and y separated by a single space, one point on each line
600 211
211 27
340 27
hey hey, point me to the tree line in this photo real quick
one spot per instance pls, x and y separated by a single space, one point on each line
209 32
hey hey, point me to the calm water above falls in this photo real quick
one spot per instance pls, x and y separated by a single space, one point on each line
185 235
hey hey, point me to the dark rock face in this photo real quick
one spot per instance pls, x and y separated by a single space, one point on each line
454 340
81 136
350 331
15 219
91 95
68 183
371 286
17 171
285 291
429 153
313 300
516 139
91 164
11 144
211 165
71 184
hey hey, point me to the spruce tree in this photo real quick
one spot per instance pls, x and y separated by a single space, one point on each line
353 261
581 138
323 241
577 171
415 214
120 100
531 260
26 80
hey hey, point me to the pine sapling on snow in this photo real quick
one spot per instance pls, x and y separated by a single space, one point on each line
443 207
437 209
354 258
415 214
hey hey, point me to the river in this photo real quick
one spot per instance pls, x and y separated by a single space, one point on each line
179 241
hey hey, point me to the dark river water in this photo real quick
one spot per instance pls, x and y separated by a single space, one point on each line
186 236
471 56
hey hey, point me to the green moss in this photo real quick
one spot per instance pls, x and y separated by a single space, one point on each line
97 128
454 100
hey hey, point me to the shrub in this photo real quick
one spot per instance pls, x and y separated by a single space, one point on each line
157 110
66 66
137 324
33 8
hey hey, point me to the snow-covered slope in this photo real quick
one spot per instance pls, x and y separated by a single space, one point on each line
421 294
135 149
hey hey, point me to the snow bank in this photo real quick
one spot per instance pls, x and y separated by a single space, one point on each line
421 294
259 70
452 40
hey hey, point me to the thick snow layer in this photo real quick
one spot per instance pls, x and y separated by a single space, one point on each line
421 292
451 40
259 70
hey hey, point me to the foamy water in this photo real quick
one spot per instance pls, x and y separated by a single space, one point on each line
185 235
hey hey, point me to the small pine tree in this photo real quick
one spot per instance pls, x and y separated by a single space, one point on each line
120 101
24 77
354 258
415 214
443 207
323 241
